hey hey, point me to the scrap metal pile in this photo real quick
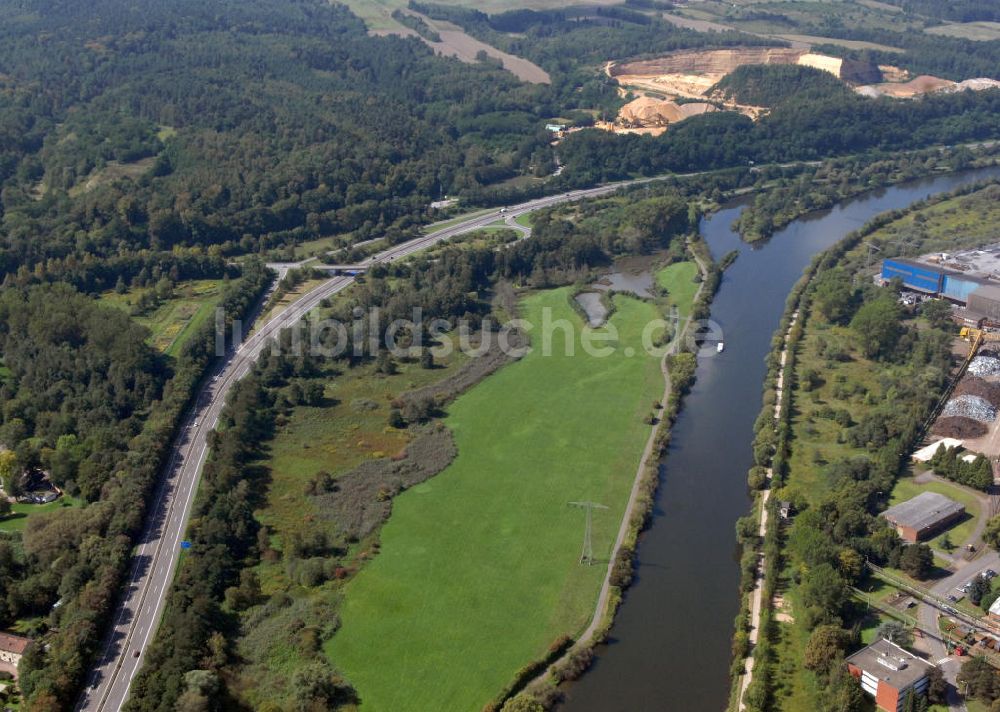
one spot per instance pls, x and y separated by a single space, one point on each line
969 406
985 366
973 386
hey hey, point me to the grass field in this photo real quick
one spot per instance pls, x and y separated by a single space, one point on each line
979 31
479 568
314 247
336 437
20 513
176 319
964 221
816 440
679 281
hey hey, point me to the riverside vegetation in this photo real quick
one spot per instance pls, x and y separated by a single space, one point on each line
151 147
853 358
289 552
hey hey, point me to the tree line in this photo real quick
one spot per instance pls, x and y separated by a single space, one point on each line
215 602
89 400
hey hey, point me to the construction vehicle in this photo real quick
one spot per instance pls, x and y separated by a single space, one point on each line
971 333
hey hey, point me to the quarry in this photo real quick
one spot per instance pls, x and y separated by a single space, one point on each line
676 86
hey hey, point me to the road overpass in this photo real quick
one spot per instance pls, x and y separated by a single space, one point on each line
156 553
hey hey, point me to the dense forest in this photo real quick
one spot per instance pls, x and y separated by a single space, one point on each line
87 401
792 131
250 126
772 85
238 125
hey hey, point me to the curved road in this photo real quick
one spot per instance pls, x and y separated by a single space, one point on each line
157 551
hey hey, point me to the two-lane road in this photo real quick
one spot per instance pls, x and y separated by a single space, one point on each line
158 549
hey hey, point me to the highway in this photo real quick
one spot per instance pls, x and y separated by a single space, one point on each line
159 546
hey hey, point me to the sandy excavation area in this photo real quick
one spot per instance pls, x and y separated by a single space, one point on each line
692 74
925 84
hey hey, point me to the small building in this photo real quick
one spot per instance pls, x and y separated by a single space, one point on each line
994 613
555 128
12 647
785 509
888 673
927 513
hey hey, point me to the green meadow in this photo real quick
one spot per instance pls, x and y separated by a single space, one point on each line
176 319
479 569
678 279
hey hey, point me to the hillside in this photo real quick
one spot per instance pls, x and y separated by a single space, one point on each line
763 85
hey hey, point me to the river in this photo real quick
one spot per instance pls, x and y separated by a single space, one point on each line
670 645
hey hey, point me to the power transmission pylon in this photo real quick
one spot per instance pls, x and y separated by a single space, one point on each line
872 247
587 557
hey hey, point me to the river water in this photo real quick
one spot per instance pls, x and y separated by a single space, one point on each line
670 644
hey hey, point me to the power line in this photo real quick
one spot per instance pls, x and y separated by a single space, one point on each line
587 556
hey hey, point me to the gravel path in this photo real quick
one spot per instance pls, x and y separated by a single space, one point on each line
756 598
586 638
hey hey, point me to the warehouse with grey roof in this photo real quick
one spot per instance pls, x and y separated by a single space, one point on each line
920 517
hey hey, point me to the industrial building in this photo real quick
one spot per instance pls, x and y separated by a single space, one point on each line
924 515
969 278
889 673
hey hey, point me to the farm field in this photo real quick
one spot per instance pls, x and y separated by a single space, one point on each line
768 18
377 14
176 318
454 41
979 31
479 567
